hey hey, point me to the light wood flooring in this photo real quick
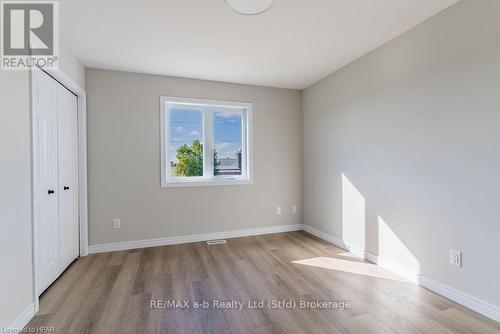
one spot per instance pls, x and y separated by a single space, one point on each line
112 292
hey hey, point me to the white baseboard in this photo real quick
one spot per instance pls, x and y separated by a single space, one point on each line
325 236
480 306
21 321
462 298
394 267
476 304
336 241
118 246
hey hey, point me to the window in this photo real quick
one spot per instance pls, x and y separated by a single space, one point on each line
205 142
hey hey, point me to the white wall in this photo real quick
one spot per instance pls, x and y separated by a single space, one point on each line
123 115
16 279
71 66
15 196
414 127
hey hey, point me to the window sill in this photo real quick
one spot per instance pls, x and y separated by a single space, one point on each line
205 183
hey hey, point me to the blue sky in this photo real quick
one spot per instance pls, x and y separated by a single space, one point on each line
186 125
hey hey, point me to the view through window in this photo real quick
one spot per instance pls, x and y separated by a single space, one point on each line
228 143
186 141
204 141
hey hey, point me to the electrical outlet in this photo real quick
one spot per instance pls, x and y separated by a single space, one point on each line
116 223
456 258
294 209
278 211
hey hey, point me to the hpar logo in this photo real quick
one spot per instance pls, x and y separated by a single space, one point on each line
30 35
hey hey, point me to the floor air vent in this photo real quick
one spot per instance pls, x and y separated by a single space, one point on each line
216 242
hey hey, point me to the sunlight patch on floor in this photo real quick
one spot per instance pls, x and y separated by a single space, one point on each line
353 267
349 255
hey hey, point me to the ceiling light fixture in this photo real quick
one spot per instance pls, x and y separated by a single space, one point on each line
250 7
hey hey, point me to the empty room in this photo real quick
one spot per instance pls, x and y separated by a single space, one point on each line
250 166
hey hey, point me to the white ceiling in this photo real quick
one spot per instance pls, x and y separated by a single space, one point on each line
294 44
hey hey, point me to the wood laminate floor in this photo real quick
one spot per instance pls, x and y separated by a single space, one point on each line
112 292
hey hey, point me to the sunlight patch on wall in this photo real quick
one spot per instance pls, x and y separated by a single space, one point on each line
392 248
353 214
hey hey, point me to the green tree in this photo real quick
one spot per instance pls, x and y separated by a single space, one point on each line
216 163
190 160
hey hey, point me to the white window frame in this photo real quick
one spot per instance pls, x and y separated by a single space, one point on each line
246 177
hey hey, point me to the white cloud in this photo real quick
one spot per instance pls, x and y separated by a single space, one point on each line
227 150
229 114
194 133
179 129
222 146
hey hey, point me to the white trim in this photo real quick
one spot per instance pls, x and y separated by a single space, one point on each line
81 95
119 246
394 267
480 306
204 183
208 179
21 321
208 137
336 241
353 249
325 236
471 302
462 298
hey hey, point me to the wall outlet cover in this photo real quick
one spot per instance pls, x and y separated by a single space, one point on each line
456 257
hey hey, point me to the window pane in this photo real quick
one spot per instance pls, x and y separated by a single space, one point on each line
228 142
185 153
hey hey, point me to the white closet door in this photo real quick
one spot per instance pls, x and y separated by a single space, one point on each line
55 155
68 177
45 100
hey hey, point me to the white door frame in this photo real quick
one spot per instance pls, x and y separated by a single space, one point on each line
82 169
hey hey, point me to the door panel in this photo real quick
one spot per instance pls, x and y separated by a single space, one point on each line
55 159
46 178
68 177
